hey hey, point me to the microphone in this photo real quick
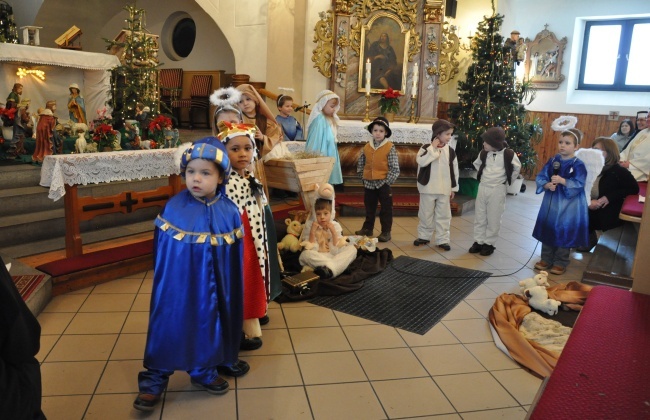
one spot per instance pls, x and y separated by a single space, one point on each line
556 168
300 108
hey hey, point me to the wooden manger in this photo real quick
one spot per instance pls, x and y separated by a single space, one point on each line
299 175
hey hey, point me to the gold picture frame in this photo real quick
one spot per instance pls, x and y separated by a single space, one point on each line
544 58
388 57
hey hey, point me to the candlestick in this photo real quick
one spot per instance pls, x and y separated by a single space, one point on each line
368 67
367 117
412 118
416 74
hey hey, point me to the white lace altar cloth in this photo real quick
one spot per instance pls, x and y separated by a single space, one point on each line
351 131
93 168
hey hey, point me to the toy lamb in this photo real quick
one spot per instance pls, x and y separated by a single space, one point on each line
291 241
538 299
540 279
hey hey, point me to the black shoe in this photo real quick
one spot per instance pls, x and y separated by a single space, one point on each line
476 247
217 387
250 343
323 272
240 368
364 232
446 247
419 242
146 402
487 250
265 320
384 237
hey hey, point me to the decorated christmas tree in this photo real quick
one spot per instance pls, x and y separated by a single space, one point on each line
136 79
491 96
8 31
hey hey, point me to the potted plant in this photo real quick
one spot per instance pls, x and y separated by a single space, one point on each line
104 136
389 103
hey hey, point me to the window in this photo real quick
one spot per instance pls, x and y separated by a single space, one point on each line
615 57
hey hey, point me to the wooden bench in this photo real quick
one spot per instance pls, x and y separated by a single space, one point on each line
632 209
603 370
613 258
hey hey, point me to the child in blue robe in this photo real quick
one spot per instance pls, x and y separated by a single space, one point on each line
321 131
195 320
290 126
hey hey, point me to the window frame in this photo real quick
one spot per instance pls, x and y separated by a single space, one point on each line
627 26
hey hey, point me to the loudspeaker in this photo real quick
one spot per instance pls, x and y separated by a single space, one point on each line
450 8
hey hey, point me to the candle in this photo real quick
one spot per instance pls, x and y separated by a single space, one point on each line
416 74
368 67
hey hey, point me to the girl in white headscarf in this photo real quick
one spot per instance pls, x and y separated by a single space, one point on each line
321 131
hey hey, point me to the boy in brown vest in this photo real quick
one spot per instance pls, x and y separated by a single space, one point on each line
379 168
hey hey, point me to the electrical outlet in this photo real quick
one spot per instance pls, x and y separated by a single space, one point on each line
613 116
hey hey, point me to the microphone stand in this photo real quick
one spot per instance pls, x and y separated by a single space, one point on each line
304 113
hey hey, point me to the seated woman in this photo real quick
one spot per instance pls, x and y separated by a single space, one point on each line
326 251
636 156
609 191
624 134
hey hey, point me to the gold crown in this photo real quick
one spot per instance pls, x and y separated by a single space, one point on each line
228 130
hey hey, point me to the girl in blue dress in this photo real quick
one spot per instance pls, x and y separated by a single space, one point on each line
321 131
563 219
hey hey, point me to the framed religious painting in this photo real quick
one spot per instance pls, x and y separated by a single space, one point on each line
544 59
385 43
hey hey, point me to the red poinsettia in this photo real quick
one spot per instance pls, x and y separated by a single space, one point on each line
389 101
104 136
159 123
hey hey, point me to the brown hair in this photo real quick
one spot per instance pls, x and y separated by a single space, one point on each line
610 147
439 127
282 99
575 134
323 204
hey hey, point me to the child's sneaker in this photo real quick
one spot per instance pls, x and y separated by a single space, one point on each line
146 402
419 242
487 250
557 270
217 387
476 248
384 237
542 265
446 247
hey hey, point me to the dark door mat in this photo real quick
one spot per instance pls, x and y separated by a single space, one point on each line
410 294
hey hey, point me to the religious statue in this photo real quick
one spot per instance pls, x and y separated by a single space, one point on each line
77 105
516 46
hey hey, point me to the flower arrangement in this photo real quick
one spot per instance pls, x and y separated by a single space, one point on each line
8 115
104 136
103 117
157 128
389 101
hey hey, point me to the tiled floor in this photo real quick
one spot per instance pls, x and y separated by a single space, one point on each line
315 363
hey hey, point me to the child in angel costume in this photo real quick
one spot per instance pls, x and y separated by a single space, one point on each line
322 129
248 194
195 319
326 251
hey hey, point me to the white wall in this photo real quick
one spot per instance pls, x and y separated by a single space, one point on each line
563 18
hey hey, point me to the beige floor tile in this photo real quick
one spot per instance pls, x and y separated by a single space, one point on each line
120 376
47 343
85 291
462 311
520 383
276 318
65 303
201 405
273 403
108 302
437 335
482 292
514 413
142 302
411 398
347 319
502 262
181 382
456 253
136 322
345 401
147 284
475 391
319 340
428 255
366 337
87 347
329 368
274 342
310 316
97 323
271 371
390 364
473 264
54 322
70 378
123 285
68 407
116 406
140 275
129 347
500 288
491 357
470 330
481 306
447 360
298 304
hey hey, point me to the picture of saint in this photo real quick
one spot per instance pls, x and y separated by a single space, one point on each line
384 47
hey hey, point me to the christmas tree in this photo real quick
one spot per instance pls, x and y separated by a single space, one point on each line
491 96
8 31
136 79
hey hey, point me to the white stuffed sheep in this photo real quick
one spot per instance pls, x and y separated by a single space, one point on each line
538 299
540 279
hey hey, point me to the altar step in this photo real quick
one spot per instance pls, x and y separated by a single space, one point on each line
613 258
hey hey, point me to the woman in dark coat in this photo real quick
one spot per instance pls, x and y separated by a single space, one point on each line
609 191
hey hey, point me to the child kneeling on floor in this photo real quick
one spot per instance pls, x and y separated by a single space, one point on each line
326 250
195 320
